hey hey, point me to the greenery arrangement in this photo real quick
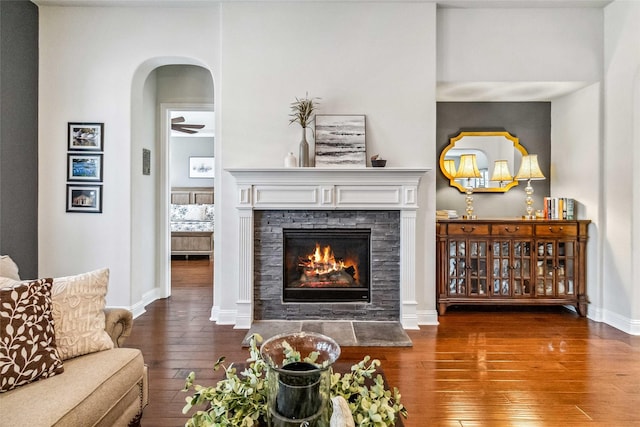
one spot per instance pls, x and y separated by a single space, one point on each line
302 109
241 399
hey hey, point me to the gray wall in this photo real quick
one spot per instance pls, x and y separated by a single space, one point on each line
529 121
19 134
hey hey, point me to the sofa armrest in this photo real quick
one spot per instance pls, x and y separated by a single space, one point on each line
118 324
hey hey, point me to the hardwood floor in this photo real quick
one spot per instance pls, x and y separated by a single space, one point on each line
482 367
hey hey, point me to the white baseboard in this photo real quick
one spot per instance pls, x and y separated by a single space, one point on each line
147 298
428 317
625 324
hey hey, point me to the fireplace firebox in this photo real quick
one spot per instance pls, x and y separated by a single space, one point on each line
327 265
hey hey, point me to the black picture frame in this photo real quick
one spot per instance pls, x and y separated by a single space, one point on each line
84 167
85 136
84 198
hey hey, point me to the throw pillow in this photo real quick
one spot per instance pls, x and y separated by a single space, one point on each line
8 268
78 313
6 282
27 337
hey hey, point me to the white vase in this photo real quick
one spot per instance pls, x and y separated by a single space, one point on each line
290 161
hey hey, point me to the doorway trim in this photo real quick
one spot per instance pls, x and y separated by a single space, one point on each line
164 246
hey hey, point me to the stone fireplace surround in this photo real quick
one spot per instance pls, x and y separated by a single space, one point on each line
312 189
385 265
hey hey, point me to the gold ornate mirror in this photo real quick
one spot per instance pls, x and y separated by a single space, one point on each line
495 152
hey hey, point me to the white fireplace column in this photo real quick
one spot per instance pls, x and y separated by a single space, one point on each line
337 189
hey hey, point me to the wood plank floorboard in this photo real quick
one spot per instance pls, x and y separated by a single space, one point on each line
479 367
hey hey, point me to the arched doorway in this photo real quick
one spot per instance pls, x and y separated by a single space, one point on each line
168 81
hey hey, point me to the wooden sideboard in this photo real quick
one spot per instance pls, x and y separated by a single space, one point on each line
511 262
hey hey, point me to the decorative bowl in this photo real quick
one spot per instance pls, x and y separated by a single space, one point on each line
378 163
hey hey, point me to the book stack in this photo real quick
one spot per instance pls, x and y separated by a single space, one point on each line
446 214
559 208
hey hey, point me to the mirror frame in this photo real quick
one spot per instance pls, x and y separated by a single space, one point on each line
462 134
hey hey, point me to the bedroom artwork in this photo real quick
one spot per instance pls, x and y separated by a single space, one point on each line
340 140
201 167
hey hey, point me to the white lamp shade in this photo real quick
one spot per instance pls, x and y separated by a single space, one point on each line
501 171
450 167
529 168
468 167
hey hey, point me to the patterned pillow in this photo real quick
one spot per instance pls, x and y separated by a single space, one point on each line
78 313
187 212
209 212
27 338
8 268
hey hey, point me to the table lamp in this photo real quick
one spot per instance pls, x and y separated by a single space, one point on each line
529 169
450 167
501 172
468 169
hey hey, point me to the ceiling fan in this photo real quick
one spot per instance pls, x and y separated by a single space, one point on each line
177 124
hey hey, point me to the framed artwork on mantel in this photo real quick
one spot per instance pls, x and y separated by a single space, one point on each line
340 140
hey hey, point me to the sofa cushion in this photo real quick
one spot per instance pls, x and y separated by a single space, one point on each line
27 337
78 312
99 389
8 268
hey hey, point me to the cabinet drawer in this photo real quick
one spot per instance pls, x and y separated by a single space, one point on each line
559 230
468 229
515 230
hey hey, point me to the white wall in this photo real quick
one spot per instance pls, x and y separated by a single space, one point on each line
621 210
576 172
376 59
507 45
93 64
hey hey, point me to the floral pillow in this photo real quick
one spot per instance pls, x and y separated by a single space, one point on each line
187 212
28 349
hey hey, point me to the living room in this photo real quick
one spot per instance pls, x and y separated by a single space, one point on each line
392 61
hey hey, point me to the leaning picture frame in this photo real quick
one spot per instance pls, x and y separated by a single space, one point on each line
84 198
84 167
84 136
340 140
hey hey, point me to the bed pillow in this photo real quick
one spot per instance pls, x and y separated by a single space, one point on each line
78 313
187 212
8 268
27 336
209 213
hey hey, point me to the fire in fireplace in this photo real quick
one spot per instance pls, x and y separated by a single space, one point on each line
328 265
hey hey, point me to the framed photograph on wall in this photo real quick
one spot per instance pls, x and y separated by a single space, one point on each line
84 198
84 167
201 167
340 140
86 136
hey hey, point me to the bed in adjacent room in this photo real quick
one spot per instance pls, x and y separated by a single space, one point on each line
191 220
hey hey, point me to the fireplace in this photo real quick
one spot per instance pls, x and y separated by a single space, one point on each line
331 265
269 200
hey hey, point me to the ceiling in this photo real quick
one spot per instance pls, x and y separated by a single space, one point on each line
440 3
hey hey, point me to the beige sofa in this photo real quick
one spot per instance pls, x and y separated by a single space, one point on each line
102 384
105 388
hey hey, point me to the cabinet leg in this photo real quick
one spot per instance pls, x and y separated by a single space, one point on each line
582 309
442 308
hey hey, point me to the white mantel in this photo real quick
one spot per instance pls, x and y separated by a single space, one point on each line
328 188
